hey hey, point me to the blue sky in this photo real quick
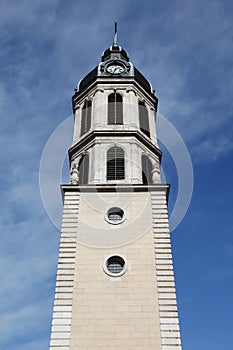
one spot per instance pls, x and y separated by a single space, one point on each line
185 49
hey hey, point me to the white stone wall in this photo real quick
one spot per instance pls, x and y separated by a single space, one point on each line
135 311
115 312
169 322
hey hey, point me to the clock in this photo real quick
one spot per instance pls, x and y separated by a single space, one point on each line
115 69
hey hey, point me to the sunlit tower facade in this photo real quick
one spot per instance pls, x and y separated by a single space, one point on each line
115 283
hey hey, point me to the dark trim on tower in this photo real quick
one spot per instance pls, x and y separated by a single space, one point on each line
89 78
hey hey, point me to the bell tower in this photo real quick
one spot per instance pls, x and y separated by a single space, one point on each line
115 283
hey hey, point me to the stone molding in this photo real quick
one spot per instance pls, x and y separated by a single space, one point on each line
62 311
165 188
90 136
169 322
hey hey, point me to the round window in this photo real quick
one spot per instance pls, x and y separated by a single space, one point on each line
115 215
115 266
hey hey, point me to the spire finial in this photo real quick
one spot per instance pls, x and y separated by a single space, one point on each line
115 36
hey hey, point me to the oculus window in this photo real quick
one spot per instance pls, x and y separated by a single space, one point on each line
115 266
115 215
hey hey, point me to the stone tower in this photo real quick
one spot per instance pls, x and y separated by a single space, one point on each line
115 284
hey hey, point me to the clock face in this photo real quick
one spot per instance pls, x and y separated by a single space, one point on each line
115 69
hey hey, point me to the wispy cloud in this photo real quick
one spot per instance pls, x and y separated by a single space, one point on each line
188 60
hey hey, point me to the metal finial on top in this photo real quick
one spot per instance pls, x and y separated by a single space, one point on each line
115 36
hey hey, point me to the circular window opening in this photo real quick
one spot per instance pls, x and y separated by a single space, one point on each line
115 266
115 215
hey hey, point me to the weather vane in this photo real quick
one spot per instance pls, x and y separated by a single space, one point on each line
115 36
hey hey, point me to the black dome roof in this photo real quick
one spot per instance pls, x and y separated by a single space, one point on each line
114 52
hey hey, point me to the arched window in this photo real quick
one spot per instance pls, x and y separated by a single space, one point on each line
83 169
86 117
143 118
115 109
115 164
146 170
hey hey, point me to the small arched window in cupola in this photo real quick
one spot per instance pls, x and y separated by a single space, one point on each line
86 117
83 169
115 109
115 164
146 170
143 118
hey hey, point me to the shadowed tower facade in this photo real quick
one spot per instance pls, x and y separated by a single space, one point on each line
115 283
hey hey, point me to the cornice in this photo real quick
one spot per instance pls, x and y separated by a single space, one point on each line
111 134
108 80
115 188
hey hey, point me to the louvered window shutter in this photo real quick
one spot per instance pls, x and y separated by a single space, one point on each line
86 117
119 109
115 164
115 109
83 170
143 119
111 109
146 170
